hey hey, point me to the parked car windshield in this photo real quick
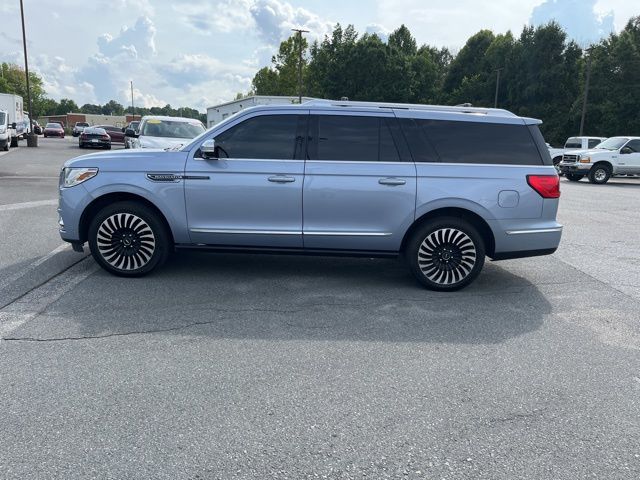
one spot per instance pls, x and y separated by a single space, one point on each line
612 143
573 143
171 129
82 124
53 125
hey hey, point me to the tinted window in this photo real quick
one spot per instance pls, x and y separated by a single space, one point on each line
573 143
421 149
593 142
267 136
353 138
634 145
474 142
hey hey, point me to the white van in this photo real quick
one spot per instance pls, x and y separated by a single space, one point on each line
12 105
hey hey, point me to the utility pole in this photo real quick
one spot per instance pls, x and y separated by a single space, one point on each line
26 71
300 32
586 92
133 110
495 102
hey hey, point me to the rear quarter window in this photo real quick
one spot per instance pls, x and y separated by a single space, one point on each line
482 143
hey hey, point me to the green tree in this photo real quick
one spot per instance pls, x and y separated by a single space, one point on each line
90 108
66 106
112 108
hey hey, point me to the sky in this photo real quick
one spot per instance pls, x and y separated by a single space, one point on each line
198 53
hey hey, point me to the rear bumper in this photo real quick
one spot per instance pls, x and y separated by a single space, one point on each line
516 239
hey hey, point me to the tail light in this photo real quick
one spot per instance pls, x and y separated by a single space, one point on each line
547 186
105 137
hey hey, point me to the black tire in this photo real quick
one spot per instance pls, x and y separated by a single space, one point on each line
128 239
108 147
6 146
81 145
445 254
572 177
600 173
556 164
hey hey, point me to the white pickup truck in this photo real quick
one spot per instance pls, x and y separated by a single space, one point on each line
614 156
573 143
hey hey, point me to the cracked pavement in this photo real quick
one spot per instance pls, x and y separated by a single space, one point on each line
246 366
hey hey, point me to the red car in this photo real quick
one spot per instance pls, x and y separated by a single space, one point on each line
116 133
53 130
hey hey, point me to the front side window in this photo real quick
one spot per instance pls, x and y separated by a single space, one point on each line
634 145
593 142
263 137
476 142
353 138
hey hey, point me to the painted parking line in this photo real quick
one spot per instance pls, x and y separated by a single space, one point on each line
20 206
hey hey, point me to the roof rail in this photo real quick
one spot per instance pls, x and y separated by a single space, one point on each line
411 106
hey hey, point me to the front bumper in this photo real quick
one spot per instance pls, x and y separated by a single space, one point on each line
575 168
71 203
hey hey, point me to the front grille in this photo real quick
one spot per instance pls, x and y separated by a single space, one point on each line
570 158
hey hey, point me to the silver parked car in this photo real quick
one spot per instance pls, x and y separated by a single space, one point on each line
443 187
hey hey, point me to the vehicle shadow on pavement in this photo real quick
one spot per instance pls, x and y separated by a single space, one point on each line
298 298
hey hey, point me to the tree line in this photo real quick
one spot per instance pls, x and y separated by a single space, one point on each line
13 80
542 74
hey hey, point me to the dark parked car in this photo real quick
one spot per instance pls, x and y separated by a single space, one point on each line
116 133
37 129
53 130
94 137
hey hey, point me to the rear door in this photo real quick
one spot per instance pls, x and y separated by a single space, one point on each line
252 194
359 189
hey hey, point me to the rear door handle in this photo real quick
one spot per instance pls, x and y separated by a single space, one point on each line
394 182
281 179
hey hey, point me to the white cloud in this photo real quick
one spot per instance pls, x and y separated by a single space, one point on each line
275 18
193 69
140 99
382 32
135 41
578 18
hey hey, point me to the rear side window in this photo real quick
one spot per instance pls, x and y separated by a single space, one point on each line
475 142
353 138
263 137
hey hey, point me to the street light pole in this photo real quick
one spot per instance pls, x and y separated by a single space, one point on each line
495 102
26 71
586 92
133 110
300 32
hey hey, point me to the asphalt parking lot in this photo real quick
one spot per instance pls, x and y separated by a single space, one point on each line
245 366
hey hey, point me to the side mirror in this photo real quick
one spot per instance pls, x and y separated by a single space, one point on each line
130 132
123 129
626 150
209 150
13 125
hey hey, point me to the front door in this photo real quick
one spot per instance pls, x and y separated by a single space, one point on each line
252 195
630 162
359 191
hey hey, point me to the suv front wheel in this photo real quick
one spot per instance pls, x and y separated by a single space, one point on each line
445 254
128 239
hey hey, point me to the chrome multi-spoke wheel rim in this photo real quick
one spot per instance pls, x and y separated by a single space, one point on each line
600 175
447 256
126 241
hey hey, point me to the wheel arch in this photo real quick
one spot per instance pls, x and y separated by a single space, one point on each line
604 162
473 218
102 201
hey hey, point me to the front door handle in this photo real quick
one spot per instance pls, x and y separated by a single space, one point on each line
394 182
281 179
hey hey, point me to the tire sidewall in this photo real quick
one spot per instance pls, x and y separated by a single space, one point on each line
413 245
159 231
592 174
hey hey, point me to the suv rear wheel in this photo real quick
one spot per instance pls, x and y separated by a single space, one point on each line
445 254
128 239
600 173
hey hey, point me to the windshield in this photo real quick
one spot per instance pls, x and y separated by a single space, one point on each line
573 143
171 129
53 125
612 143
82 124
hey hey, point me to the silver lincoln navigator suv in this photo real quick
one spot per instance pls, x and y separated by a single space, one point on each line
440 186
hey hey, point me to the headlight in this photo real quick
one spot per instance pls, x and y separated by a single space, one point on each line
75 176
585 159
